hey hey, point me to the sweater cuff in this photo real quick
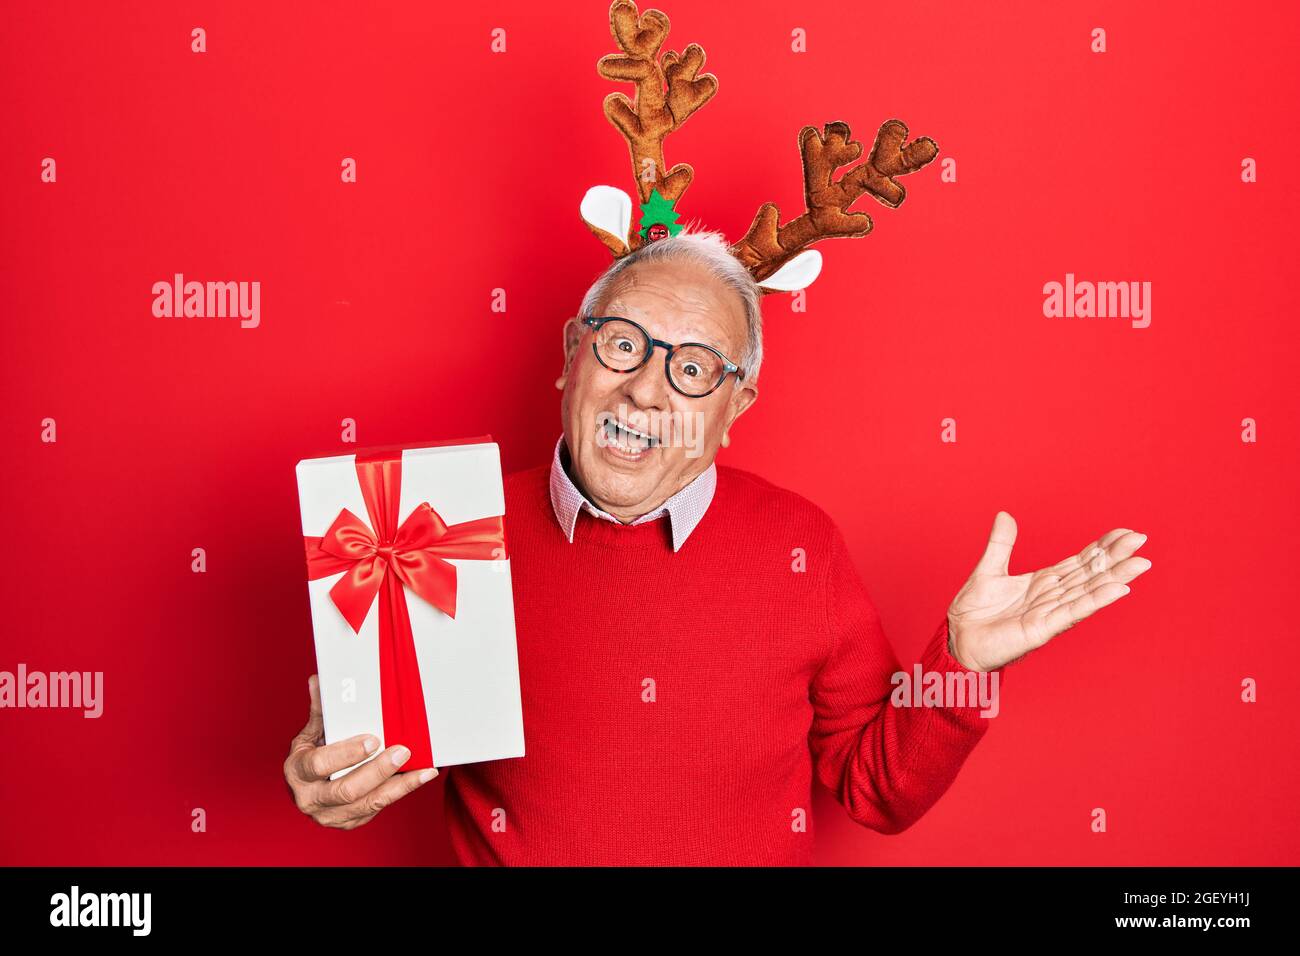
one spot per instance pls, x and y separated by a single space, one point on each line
937 656
937 659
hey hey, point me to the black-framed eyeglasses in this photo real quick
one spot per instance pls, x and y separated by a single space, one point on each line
693 368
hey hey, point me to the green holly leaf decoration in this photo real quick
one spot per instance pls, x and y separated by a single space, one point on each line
659 211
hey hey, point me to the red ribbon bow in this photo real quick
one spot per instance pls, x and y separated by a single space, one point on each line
380 562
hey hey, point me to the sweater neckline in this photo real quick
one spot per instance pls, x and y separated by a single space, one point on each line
650 536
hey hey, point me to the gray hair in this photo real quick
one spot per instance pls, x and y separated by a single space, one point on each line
707 249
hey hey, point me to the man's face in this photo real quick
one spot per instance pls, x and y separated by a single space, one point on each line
675 302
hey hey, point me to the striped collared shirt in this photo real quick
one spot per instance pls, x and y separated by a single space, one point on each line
684 509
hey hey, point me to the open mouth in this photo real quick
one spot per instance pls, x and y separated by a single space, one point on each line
626 438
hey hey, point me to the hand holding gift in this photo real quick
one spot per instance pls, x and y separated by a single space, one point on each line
355 798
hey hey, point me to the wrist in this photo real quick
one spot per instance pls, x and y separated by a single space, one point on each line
956 646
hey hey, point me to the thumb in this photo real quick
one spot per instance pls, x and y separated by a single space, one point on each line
997 554
315 726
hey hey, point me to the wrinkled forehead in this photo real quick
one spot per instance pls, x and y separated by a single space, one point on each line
678 301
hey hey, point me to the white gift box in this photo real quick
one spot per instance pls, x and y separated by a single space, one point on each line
468 664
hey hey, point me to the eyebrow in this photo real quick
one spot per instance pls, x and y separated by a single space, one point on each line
694 333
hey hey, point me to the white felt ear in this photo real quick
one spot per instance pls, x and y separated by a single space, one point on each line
796 274
609 210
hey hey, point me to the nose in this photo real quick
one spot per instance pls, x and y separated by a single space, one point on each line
648 386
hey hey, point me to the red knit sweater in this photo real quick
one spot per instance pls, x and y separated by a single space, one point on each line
677 706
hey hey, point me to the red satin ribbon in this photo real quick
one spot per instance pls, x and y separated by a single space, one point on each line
380 562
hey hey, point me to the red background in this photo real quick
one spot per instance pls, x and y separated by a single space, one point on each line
176 434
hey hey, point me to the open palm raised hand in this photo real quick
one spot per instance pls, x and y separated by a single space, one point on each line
998 617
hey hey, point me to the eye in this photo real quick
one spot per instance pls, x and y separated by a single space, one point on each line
691 369
625 345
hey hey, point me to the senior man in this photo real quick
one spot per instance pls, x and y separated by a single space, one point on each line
695 646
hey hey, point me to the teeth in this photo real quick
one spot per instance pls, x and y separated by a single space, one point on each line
628 437
634 433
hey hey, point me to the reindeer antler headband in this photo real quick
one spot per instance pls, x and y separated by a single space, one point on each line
669 88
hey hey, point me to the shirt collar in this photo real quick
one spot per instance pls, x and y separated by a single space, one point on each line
684 509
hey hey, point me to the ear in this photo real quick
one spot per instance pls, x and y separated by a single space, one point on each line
573 330
745 396
608 213
796 274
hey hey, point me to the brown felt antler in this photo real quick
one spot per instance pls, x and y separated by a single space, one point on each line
768 245
668 90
